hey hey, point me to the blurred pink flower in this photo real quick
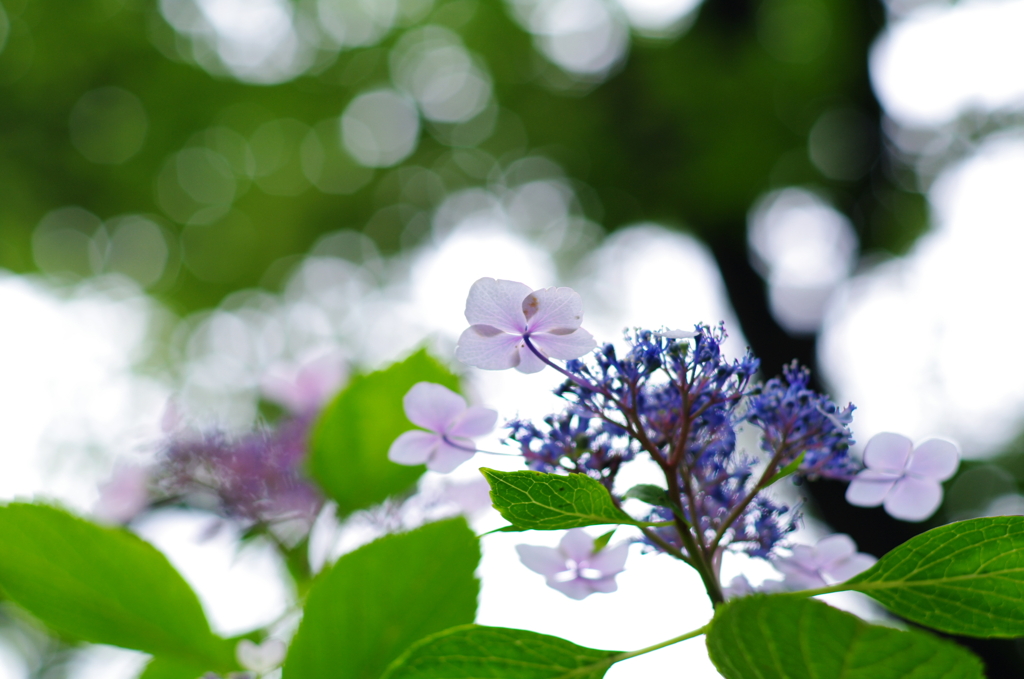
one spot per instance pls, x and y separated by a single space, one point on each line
833 559
504 315
124 495
305 388
573 568
450 426
905 479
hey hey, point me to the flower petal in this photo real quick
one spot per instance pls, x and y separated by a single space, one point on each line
413 447
610 560
529 362
564 347
869 488
888 452
847 568
935 459
553 309
913 499
605 585
483 346
433 406
547 561
476 421
577 545
833 549
447 457
497 303
577 588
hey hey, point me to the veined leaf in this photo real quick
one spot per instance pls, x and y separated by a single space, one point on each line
475 652
963 578
783 637
534 500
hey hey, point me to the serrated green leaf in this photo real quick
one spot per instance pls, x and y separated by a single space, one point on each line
103 585
477 652
963 578
375 602
649 493
783 637
349 448
538 501
788 470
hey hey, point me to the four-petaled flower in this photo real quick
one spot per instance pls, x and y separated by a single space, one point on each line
450 426
573 568
905 479
506 317
833 559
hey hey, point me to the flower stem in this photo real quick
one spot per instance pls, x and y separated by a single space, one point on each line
590 670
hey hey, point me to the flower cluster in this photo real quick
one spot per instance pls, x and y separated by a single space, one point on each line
255 478
674 398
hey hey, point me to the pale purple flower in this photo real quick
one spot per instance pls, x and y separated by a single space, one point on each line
450 426
124 495
573 568
739 586
905 479
833 559
504 315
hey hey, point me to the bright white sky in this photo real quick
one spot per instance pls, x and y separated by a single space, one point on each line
924 345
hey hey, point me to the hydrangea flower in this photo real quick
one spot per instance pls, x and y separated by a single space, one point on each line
906 480
450 425
124 495
573 568
833 559
507 318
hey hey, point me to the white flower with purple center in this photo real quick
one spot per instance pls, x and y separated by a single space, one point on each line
833 559
905 479
507 319
451 427
574 568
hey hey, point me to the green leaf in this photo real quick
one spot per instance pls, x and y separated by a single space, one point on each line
473 652
651 494
165 668
788 470
963 578
783 637
601 541
349 449
538 501
103 585
376 601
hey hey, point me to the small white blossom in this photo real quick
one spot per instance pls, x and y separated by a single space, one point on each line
260 658
450 426
573 568
906 480
503 315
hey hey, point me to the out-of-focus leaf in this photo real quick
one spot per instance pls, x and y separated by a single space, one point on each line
349 452
103 585
164 668
375 602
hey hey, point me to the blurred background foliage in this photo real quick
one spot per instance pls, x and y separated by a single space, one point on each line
222 131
